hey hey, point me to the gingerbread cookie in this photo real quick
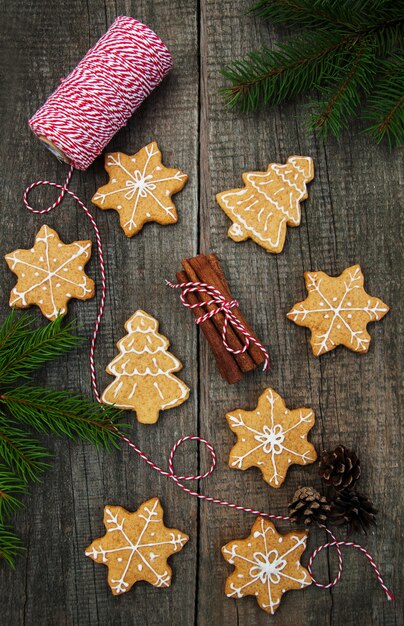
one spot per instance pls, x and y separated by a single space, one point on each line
140 188
136 546
50 273
271 438
337 311
266 564
144 370
268 203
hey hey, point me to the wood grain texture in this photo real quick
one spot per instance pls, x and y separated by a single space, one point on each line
351 216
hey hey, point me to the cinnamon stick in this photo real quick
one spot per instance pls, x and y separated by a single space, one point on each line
253 350
226 363
199 270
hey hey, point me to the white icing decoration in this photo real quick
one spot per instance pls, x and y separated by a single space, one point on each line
47 273
140 184
336 311
267 565
270 438
243 206
144 366
138 547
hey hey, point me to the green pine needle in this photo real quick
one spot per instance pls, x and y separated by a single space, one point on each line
386 103
10 545
341 93
11 486
273 76
342 48
63 413
24 349
20 452
307 13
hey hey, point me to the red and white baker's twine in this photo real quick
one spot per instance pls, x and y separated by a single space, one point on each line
102 92
222 306
80 117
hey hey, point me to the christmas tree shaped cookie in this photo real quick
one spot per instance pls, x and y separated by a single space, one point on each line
266 564
271 437
144 380
337 310
50 274
136 546
140 188
268 203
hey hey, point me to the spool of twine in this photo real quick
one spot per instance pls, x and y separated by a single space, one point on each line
99 96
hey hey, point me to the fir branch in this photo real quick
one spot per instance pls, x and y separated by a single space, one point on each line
386 103
63 413
10 545
306 13
20 452
24 349
273 76
337 55
342 93
11 486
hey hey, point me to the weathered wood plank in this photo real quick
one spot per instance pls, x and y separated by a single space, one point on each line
349 218
56 584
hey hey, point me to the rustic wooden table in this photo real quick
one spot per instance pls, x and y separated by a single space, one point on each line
351 216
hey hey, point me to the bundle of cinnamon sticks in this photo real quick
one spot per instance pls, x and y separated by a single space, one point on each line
232 367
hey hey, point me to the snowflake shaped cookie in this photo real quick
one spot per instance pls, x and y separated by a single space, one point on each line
136 546
268 203
267 564
271 438
50 273
140 188
337 311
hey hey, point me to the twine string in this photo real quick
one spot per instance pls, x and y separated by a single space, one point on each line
63 191
222 306
349 544
170 473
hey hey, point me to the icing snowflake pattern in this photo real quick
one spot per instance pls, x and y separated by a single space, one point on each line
337 311
50 273
267 564
136 546
271 438
140 188
269 202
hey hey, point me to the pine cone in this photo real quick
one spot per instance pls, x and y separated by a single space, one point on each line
309 507
340 468
354 510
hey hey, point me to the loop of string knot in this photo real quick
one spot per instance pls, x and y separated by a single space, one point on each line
222 306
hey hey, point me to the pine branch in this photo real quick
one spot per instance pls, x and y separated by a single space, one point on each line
11 486
386 103
307 13
273 76
10 545
334 56
23 349
63 413
343 90
23 454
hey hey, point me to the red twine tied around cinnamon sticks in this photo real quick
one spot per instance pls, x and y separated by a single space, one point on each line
222 306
